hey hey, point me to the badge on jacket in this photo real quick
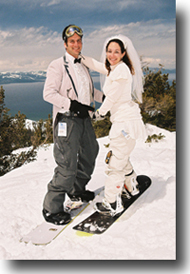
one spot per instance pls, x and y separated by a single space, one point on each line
62 129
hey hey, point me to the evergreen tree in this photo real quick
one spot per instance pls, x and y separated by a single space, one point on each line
5 126
42 132
13 135
23 134
159 103
159 100
48 130
102 127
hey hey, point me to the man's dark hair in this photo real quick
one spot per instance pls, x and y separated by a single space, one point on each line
64 37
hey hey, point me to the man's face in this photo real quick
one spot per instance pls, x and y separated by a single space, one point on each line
74 45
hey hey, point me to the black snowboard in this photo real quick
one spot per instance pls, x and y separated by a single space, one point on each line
98 223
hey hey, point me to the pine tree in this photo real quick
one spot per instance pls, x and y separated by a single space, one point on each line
23 134
5 126
13 135
42 132
102 127
48 130
159 100
159 103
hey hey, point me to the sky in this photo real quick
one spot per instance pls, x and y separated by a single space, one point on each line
30 31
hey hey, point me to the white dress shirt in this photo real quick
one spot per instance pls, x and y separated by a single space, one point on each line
82 79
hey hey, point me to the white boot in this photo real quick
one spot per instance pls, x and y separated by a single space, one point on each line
110 208
131 183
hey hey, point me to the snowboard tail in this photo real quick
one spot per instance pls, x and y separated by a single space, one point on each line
46 232
97 223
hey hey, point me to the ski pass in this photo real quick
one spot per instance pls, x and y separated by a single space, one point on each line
62 129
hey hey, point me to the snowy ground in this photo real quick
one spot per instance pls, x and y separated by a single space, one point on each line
147 231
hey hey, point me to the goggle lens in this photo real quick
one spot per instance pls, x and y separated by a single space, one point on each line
71 31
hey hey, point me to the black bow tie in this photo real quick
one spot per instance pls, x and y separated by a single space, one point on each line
77 60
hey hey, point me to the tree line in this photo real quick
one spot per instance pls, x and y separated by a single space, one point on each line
159 102
158 108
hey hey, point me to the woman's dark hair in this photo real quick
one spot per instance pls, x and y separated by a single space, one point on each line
125 58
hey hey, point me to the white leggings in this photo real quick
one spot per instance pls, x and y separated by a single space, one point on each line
119 165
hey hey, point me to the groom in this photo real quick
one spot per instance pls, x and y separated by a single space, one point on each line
69 88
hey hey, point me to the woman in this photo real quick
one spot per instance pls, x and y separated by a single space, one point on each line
122 85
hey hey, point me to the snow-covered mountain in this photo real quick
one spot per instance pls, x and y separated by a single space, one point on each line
27 77
146 231
39 76
22 77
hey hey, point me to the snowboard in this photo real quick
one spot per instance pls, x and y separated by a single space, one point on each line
97 223
46 232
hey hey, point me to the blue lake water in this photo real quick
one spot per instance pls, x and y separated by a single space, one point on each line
28 99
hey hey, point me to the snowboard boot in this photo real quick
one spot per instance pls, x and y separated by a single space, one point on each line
107 208
85 196
60 218
73 203
125 193
76 201
131 184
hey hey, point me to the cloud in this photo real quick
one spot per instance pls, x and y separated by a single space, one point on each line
96 5
32 48
29 48
85 4
154 40
28 37
50 3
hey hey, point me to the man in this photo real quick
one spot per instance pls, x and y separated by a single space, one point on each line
69 88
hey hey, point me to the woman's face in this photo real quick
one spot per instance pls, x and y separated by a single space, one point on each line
114 54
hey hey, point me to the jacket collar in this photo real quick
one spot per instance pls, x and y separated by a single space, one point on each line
70 73
72 76
66 62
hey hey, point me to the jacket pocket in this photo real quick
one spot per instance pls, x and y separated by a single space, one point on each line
115 130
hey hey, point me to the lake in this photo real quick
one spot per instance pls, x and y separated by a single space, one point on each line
28 99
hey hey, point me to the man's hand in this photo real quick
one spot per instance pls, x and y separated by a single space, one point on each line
80 109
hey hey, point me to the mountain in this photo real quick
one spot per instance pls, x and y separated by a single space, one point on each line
22 77
40 76
27 77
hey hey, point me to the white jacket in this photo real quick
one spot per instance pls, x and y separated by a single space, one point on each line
125 113
61 86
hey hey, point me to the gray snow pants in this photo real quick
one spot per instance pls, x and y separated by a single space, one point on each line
75 156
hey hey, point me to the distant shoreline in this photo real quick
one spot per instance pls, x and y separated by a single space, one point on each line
40 76
21 82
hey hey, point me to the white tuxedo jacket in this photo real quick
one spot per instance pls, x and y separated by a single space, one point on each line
61 86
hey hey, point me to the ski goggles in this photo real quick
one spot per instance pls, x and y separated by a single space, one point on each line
70 31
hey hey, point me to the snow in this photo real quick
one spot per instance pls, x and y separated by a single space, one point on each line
146 231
